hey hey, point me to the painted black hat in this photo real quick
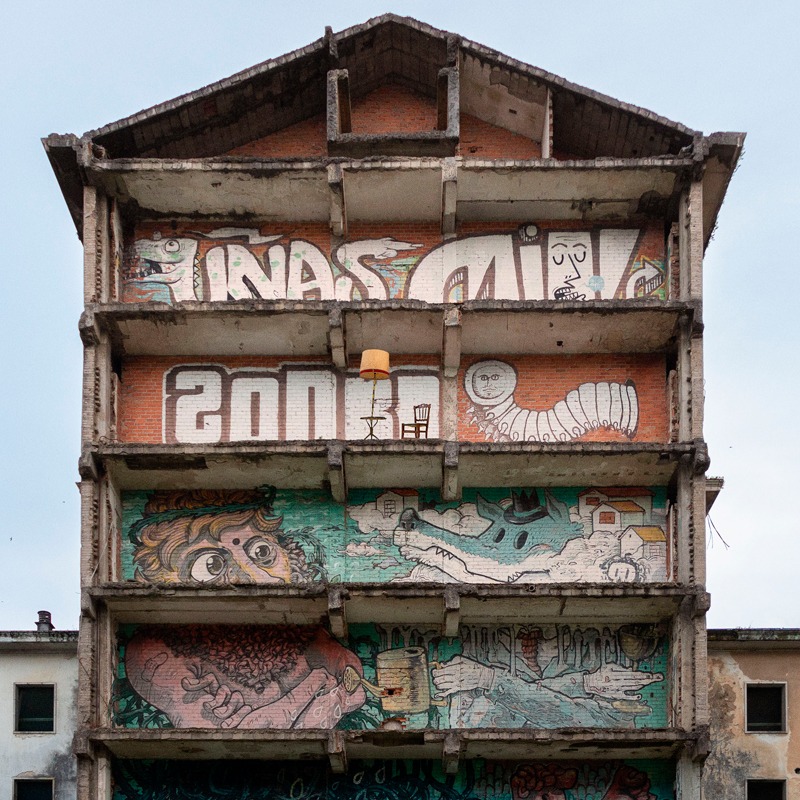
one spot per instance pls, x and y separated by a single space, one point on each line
525 507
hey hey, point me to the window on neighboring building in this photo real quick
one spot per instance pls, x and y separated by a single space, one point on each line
765 707
35 709
766 790
39 789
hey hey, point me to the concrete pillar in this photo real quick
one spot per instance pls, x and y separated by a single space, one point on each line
96 246
106 658
695 222
685 383
688 775
697 385
685 527
90 507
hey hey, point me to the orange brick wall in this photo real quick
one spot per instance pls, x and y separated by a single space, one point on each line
543 381
391 109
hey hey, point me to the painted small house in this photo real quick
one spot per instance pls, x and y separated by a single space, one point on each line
643 541
393 501
616 515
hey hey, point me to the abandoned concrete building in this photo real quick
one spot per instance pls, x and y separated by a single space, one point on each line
754 694
393 473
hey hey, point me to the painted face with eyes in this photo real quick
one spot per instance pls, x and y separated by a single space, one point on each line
241 556
490 382
569 264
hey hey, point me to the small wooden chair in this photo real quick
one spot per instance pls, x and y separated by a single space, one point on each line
419 426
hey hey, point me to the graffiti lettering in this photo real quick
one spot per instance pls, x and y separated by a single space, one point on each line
231 263
209 403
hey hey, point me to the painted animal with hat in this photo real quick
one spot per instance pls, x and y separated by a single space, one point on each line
508 551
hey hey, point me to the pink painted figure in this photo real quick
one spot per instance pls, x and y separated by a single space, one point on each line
243 676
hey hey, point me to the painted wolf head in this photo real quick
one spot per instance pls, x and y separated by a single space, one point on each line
505 552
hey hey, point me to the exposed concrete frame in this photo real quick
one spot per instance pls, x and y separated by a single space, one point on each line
343 329
359 464
450 746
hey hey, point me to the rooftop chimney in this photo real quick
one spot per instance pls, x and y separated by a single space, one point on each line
44 623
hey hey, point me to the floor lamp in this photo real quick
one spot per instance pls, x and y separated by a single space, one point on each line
374 367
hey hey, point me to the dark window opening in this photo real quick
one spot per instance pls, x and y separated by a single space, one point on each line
765 708
33 790
766 790
35 707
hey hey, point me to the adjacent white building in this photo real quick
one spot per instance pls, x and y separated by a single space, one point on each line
38 713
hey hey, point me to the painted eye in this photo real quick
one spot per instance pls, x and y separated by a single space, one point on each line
558 260
521 539
501 534
579 257
261 552
208 566
172 246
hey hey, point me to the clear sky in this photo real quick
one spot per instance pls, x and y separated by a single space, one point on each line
716 65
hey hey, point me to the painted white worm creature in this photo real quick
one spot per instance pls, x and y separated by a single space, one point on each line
490 385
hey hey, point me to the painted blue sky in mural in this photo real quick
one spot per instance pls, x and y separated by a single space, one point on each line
735 72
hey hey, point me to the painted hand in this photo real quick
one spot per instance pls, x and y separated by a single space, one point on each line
223 706
462 675
611 681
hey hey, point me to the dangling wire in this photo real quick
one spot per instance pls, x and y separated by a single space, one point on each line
714 531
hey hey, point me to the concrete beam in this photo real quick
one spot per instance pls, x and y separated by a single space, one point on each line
337 615
336 472
339 114
451 342
441 142
302 328
547 128
449 196
336 338
89 329
451 753
332 47
338 216
337 752
451 489
452 611
413 603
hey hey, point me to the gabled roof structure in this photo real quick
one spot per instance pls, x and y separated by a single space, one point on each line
571 124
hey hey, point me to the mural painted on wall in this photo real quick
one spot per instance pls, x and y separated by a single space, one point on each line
527 262
490 386
209 403
523 398
263 536
296 677
394 780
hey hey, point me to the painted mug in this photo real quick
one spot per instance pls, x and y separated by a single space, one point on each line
403 681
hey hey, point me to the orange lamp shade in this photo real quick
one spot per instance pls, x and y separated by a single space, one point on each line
374 365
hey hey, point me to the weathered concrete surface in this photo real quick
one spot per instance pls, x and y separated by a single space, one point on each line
39 658
737 658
